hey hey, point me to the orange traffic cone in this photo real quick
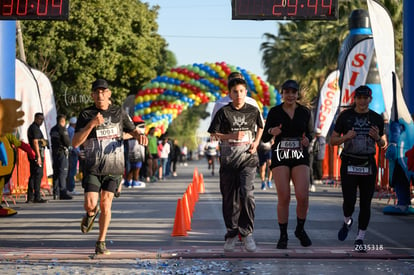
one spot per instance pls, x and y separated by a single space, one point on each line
179 223
187 215
201 188
191 200
195 176
195 191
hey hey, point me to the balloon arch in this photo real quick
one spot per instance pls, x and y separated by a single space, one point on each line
166 96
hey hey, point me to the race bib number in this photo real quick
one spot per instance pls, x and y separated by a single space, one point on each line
107 133
359 170
290 144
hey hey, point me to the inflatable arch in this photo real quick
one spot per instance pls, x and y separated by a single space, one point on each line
167 95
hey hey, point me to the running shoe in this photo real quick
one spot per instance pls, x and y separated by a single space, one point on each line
343 232
303 238
138 184
359 246
249 243
87 221
269 184
230 244
283 241
100 248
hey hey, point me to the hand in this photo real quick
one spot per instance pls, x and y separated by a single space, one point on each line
98 120
275 131
142 139
239 135
374 133
350 134
305 140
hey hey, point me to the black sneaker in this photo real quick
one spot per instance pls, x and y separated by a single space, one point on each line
65 197
100 248
303 238
40 201
282 243
87 221
343 232
359 246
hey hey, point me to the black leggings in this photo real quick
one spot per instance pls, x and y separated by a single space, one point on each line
366 185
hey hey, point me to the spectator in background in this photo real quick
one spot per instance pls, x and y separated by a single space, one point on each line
165 152
175 154
152 164
184 155
211 154
136 157
319 155
38 144
73 158
265 159
60 152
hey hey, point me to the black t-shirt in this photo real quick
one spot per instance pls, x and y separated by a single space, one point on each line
104 148
59 138
228 120
33 133
362 143
293 129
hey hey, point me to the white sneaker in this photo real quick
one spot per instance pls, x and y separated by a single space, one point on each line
249 243
138 184
313 188
229 244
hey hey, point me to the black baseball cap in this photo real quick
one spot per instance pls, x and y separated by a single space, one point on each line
290 84
99 83
363 91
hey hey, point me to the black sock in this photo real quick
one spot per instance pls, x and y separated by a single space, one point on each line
283 229
300 225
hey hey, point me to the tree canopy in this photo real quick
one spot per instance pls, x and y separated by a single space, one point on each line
112 39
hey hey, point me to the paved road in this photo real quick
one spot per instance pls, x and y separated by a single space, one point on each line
46 238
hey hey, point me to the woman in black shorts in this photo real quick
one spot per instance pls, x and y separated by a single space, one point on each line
291 126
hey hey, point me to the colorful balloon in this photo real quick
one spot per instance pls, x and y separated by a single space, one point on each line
166 96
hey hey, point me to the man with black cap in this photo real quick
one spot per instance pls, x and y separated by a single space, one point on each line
99 132
360 130
290 124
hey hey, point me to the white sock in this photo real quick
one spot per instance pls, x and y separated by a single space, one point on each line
361 234
347 220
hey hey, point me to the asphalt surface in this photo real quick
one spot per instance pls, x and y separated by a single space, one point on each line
46 238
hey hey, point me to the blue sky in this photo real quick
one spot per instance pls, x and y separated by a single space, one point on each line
202 31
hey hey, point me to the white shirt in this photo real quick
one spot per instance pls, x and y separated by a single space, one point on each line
226 100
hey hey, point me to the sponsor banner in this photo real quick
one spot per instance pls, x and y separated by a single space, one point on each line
383 35
356 69
329 96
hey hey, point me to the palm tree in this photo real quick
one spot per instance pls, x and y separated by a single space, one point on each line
308 50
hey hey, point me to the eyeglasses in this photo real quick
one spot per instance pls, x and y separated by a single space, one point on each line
99 91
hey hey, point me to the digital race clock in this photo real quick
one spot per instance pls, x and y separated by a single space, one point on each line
34 9
285 9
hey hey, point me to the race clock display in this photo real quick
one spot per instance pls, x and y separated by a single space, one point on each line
285 9
34 9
